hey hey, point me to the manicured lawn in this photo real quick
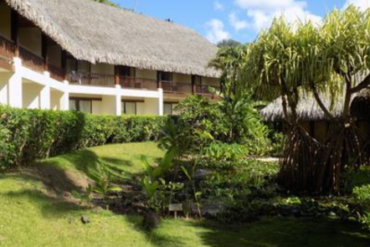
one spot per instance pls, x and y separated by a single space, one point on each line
33 213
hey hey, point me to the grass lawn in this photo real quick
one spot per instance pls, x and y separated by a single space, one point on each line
33 213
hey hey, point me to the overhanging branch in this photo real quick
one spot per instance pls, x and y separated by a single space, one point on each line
321 104
364 84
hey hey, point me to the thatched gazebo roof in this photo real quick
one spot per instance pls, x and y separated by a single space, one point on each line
99 33
307 108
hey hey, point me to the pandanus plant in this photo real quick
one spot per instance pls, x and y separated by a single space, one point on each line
323 59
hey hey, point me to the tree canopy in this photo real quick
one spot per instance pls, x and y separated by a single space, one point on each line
227 43
331 58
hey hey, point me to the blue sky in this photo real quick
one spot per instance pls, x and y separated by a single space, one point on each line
236 19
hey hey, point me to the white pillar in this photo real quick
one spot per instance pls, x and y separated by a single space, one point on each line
118 101
45 98
15 85
160 101
4 84
64 100
45 94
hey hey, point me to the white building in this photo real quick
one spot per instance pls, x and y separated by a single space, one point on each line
86 56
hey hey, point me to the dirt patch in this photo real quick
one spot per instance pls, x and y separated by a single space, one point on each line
58 182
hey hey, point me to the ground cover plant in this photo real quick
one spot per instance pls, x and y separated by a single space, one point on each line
36 211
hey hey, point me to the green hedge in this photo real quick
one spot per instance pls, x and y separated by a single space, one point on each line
28 135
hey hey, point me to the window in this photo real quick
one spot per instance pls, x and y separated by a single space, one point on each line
197 80
165 76
81 105
129 108
168 108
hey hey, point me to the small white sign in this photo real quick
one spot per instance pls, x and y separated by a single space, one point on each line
175 207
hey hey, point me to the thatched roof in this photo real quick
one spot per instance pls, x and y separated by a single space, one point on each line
307 108
99 33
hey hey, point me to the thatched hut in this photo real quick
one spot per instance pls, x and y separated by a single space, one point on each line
313 119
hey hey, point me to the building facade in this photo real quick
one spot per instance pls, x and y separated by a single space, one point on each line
53 56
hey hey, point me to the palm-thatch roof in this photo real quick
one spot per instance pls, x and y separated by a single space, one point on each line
307 108
99 33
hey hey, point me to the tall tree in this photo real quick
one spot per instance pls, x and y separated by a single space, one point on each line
229 60
325 59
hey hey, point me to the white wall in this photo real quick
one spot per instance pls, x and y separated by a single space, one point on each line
97 107
31 96
151 107
108 105
56 98
4 88
140 108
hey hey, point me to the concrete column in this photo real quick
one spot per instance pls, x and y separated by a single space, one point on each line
45 95
4 88
15 85
64 100
118 100
45 98
160 101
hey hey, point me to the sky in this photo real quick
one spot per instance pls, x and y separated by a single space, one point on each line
240 20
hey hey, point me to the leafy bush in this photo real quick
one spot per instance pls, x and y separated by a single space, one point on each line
227 121
225 152
240 179
28 135
362 196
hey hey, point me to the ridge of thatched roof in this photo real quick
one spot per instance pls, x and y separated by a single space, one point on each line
99 33
307 108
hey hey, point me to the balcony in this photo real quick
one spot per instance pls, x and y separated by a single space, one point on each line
138 83
91 79
7 48
204 90
176 87
169 87
31 60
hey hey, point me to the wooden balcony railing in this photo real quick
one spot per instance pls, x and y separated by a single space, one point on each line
176 87
137 83
31 60
56 73
91 79
204 89
7 48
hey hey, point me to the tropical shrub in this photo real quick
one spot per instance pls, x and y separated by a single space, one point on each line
362 196
225 152
234 121
28 135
